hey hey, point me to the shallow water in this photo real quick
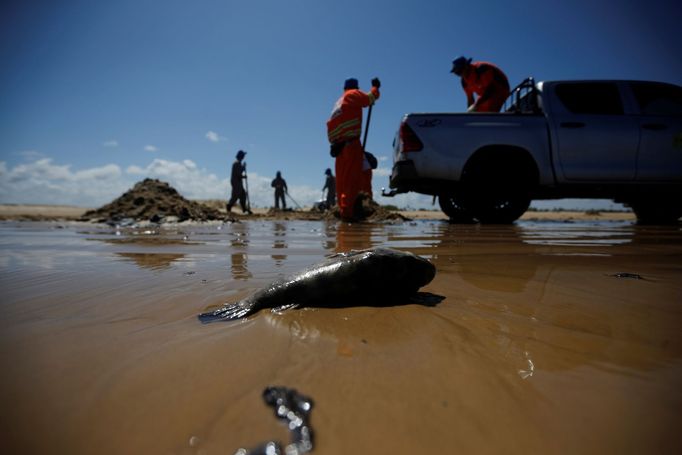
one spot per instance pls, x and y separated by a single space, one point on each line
538 347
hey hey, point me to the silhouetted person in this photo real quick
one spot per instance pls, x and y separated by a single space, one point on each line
238 192
330 186
280 186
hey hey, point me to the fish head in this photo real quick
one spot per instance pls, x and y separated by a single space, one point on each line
407 269
421 270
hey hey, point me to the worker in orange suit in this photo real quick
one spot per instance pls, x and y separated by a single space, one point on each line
343 131
483 79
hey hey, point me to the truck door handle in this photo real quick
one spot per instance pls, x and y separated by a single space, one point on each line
654 126
572 124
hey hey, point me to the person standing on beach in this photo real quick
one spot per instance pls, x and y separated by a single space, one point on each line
280 186
483 79
369 162
343 131
236 177
330 186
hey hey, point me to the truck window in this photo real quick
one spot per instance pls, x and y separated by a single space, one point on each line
658 99
601 98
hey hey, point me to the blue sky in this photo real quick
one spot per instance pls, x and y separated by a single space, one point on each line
95 96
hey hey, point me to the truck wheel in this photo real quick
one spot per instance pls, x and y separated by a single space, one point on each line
651 212
499 207
452 206
497 187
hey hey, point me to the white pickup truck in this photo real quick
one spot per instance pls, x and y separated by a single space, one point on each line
619 140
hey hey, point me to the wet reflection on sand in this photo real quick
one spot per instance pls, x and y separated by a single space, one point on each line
280 242
538 347
152 260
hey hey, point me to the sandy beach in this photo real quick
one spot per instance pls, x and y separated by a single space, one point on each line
552 337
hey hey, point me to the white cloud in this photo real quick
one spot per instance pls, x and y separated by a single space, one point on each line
151 148
135 170
43 182
111 143
215 137
41 170
382 172
106 172
31 155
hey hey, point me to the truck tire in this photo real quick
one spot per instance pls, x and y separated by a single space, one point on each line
496 186
452 206
652 212
499 207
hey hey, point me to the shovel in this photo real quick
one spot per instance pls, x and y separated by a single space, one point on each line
293 200
369 116
364 139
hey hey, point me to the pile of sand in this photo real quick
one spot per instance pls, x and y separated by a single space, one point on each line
155 201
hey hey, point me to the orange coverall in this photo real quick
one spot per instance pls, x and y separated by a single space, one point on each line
345 126
489 83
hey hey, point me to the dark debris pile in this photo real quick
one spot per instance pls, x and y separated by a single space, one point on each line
366 209
155 201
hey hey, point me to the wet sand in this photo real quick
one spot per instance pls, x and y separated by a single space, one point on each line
536 348
28 212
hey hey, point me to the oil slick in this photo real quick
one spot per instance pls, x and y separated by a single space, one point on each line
294 409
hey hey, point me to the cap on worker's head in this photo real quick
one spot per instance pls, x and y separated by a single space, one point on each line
350 83
328 171
459 64
241 154
279 174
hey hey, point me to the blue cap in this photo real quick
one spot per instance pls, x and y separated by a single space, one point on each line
459 64
350 84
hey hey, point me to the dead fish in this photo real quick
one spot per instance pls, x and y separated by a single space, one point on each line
373 276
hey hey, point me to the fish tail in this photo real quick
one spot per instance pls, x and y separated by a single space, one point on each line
226 313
